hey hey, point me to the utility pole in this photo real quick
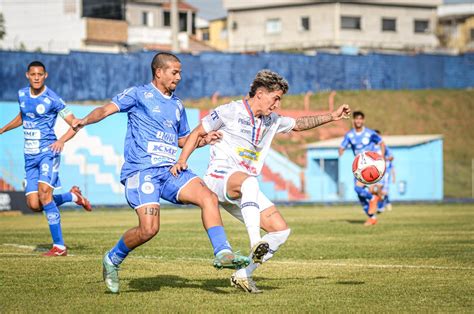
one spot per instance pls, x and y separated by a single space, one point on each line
174 26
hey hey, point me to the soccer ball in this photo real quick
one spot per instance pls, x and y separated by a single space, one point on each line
368 167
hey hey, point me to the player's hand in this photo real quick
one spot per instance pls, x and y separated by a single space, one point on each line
178 167
343 112
2 130
212 137
57 147
78 124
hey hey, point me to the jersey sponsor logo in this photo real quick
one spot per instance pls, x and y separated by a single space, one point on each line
245 131
147 177
32 151
40 109
169 138
162 149
148 188
45 169
248 154
178 114
214 115
244 121
53 218
32 144
156 109
267 121
148 95
30 115
47 101
168 123
22 104
32 134
29 124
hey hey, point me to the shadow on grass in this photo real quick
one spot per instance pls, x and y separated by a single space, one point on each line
355 221
148 284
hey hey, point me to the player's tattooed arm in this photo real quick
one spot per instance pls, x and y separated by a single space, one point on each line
310 122
16 122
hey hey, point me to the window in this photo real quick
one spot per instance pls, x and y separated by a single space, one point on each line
304 23
350 22
147 18
273 26
166 18
421 26
234 26
205 35
389 25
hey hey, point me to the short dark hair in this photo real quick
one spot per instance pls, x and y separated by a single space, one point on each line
36 64
160 61
358 114
269 80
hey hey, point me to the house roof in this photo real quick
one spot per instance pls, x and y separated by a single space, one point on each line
390 140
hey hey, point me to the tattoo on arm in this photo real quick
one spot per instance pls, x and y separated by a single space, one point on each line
310 122
152 211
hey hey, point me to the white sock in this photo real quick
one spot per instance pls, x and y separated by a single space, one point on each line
74 197
275 240
250 209
59 246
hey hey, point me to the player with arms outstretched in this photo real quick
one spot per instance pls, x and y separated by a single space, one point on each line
157 126
362 139
246 128
39 108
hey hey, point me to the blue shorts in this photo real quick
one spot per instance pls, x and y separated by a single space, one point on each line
148 186
44 168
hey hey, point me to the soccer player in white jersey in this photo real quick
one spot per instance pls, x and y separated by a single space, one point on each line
247 128
157 126
39 108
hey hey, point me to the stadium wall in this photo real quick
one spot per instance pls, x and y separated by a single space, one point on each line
98 76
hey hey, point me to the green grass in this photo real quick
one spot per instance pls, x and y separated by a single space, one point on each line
446 112
417 259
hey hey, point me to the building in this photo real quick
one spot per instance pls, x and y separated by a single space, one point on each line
418 165
214 33
456 25
64 25
104 26
269 25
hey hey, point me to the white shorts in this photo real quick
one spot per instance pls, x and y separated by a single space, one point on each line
216 181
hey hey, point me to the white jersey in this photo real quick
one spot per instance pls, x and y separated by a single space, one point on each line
246 138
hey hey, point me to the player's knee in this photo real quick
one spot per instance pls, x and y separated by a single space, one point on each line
35 207
208 199
249 185
45 198
148 232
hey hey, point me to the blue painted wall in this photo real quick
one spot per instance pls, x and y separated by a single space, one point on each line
419 174
89 76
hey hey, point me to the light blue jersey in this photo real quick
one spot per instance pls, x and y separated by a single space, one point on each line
361 142
39 115
155 123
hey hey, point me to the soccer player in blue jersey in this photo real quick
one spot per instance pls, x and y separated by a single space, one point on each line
39 108
384 184
361 139
157 126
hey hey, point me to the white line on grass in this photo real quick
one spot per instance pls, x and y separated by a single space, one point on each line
287 262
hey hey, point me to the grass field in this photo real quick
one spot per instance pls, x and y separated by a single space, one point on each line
418 258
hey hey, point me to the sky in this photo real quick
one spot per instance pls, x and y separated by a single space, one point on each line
209 9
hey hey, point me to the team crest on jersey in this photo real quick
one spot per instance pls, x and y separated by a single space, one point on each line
365 141
148 188
148 95
248 154
178 115
47 101
40 109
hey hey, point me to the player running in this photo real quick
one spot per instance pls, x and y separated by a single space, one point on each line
39 109
157 125
361 139
389 177
247 128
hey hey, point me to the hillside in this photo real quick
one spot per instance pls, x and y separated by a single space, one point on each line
447 112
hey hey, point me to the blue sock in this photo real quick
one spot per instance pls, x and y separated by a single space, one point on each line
54 220
60 199
362 192
218 239
118 253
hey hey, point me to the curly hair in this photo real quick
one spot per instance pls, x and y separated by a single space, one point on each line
269 80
